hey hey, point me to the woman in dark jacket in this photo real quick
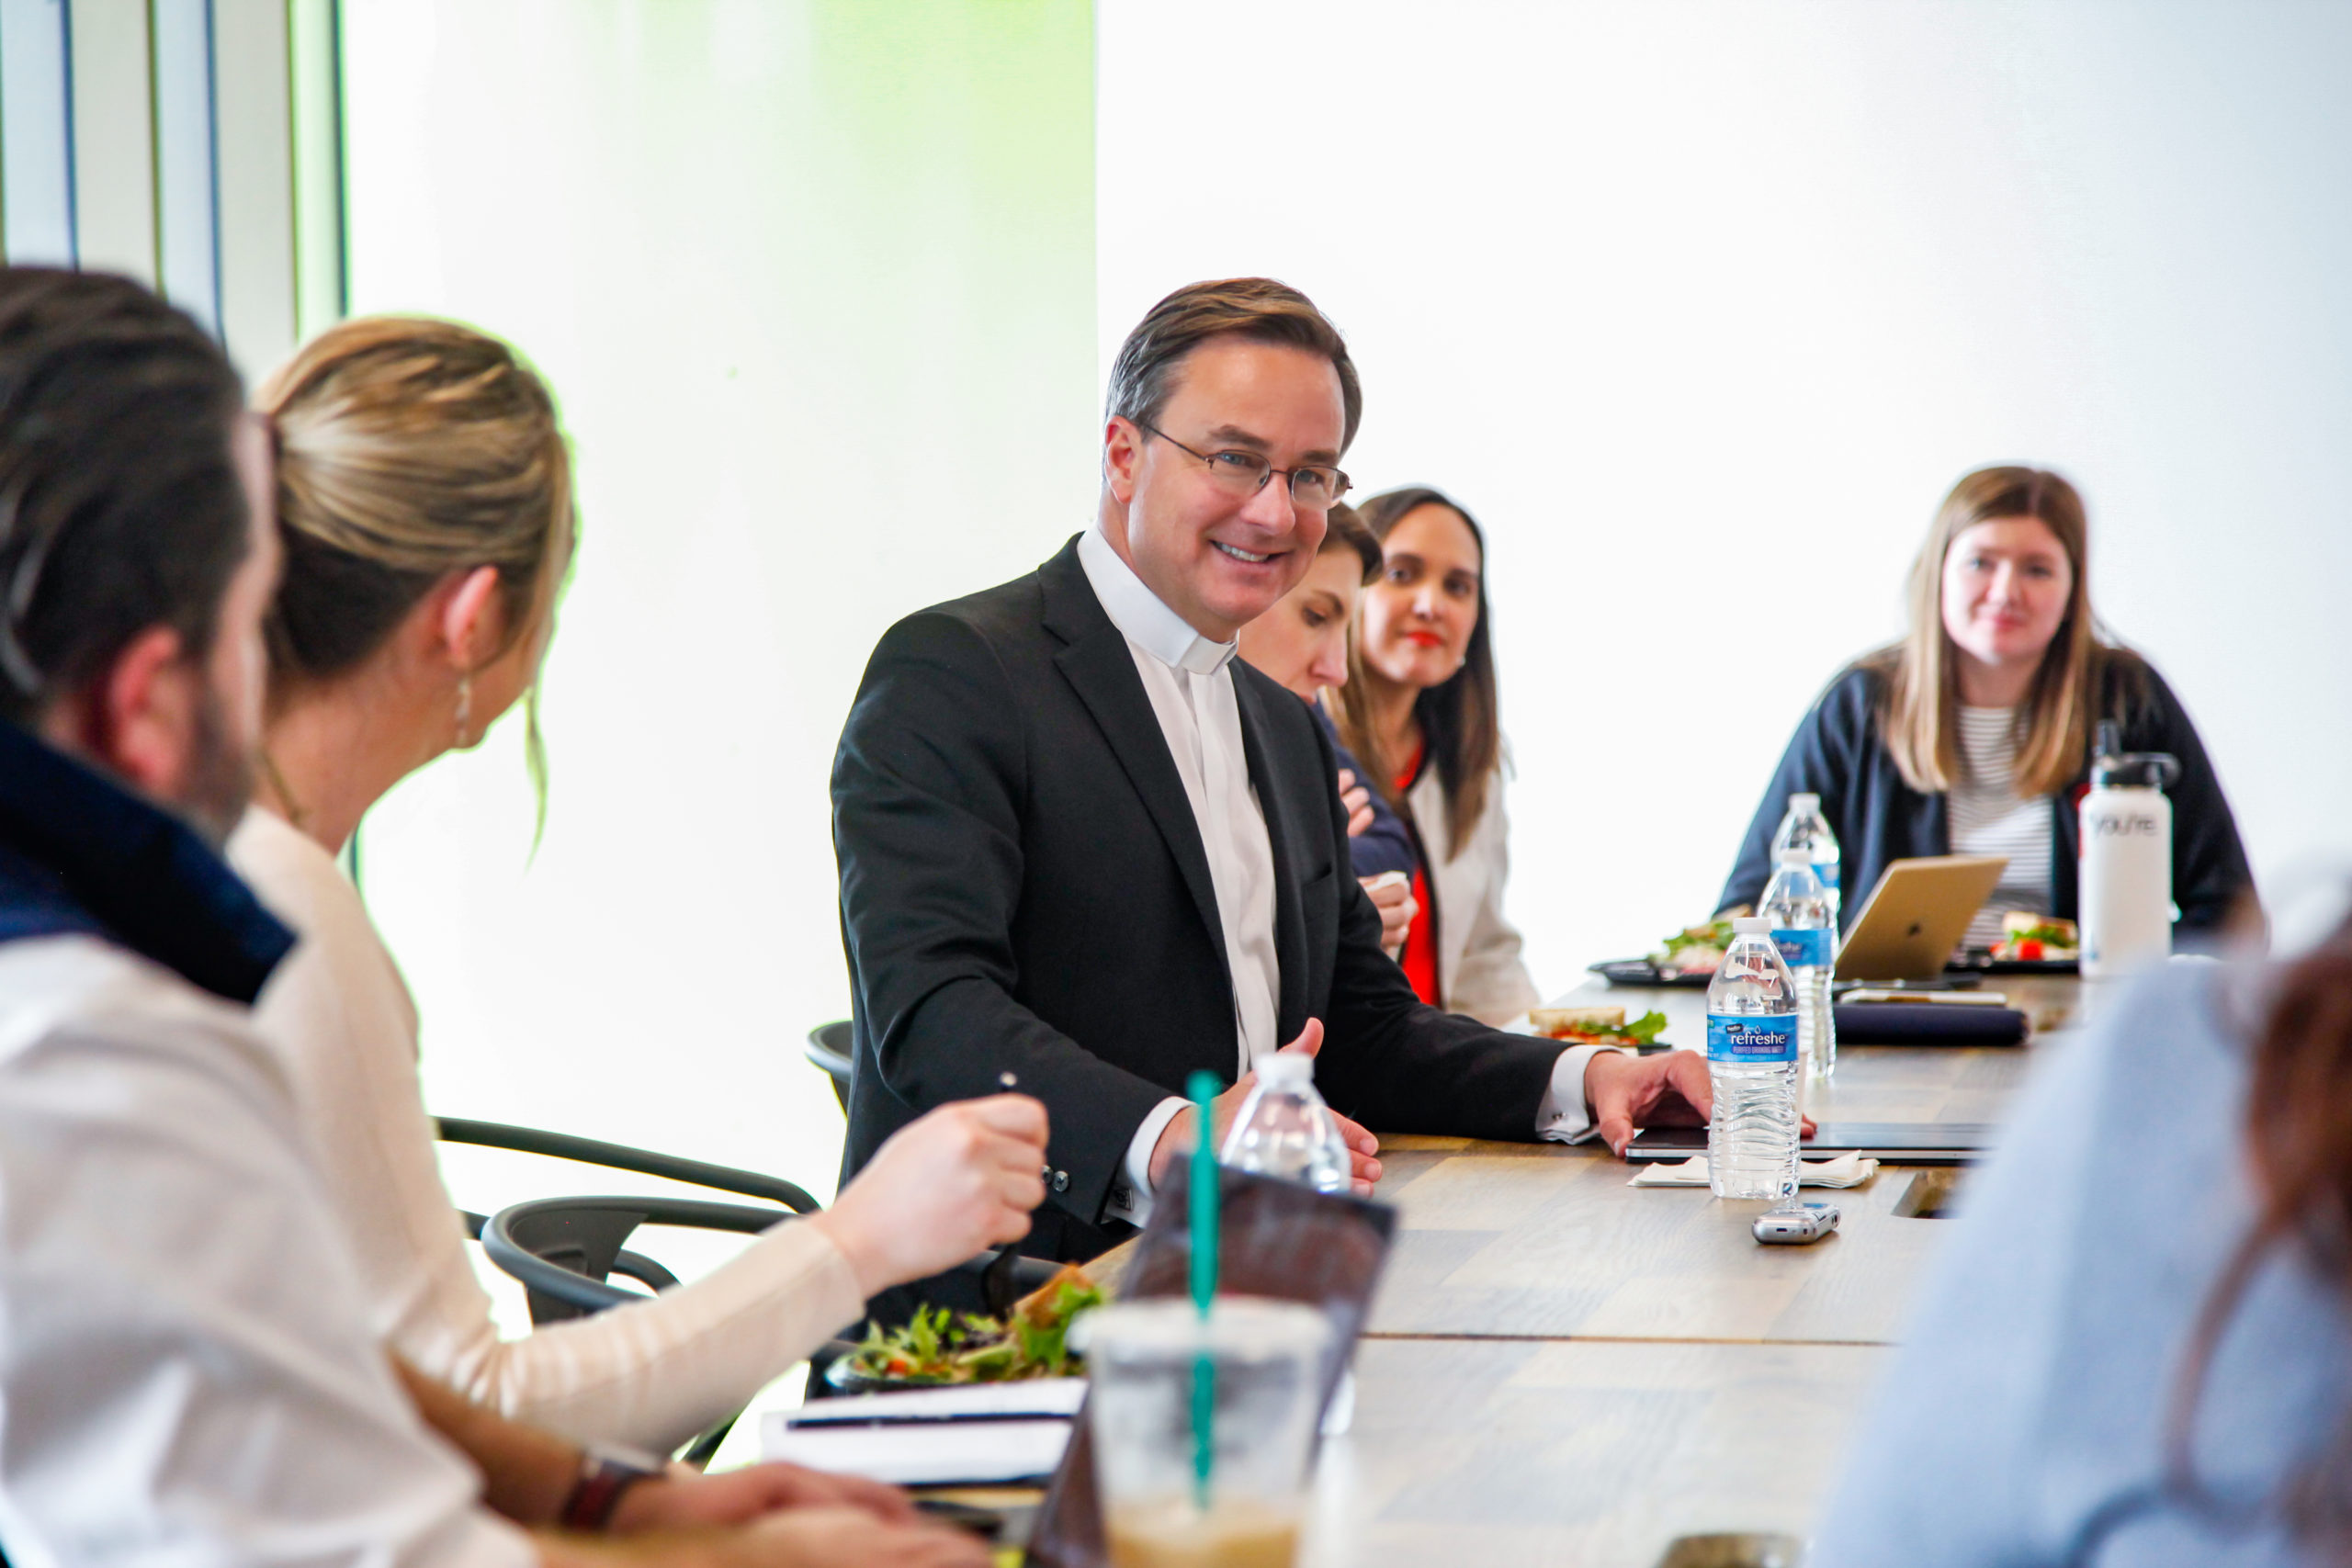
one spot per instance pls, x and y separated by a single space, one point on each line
1974 733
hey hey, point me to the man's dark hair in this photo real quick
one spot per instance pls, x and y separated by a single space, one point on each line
119 505
1144 375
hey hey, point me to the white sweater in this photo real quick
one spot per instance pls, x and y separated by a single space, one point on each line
1478 967
651 1375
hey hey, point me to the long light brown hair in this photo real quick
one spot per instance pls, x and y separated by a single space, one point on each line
2299 1144
1920 708
409 448
1460 718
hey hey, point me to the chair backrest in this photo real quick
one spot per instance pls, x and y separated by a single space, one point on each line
828 1048
564 1249
620 1156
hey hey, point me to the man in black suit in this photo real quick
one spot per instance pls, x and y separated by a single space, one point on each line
1081 844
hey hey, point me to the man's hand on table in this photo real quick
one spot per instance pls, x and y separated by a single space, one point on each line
1625 1091
1178 1136
1669 1090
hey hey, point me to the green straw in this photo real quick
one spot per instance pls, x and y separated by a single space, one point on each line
1204 1087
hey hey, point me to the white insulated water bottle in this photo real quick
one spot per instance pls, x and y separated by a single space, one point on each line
2125 875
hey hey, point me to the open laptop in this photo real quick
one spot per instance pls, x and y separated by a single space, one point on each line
1916 917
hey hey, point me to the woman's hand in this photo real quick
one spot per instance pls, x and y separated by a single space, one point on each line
1357 799
1392 894
958 1181
685 1499
850 1538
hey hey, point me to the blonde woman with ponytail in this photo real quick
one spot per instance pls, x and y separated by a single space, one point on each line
1973 734
424 498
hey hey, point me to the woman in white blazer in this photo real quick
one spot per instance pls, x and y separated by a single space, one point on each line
424 500
1421 711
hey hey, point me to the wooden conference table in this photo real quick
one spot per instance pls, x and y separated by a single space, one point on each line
1562 1369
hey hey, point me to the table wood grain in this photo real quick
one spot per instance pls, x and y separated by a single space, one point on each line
1591 1453
1544 1241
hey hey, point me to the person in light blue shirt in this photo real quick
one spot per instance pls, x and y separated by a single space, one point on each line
2042 1410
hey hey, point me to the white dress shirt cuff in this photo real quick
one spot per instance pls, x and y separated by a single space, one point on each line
1131 1199
1564 1118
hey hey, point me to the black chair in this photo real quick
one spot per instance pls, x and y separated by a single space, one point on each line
620 1156
563 1249
828 1049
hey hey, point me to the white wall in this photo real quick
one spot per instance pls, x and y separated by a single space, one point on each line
811 281
1700 306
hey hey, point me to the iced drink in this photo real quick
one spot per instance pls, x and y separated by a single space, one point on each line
1240 1533
1227 1492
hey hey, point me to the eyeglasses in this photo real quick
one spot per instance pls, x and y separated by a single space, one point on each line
1315 486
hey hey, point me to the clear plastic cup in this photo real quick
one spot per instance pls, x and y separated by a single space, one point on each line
1263 1360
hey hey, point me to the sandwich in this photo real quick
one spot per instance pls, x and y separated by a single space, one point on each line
2026 937
1597 1026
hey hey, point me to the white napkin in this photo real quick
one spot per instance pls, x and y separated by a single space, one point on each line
1845 1170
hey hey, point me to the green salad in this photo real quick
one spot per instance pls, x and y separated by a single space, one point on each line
938 1345
1695 948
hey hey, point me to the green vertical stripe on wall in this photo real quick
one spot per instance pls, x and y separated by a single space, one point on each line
314 74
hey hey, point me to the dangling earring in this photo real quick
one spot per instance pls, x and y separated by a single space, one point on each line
465 708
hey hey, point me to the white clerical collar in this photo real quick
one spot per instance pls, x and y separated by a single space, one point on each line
1139 612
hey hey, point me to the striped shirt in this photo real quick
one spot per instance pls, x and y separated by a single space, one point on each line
1989 817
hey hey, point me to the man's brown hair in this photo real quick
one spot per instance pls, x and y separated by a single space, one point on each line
121 509
1144 375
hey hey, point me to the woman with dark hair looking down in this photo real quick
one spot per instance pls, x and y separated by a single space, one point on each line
1304 642
1973 734
1420 709
2137 1346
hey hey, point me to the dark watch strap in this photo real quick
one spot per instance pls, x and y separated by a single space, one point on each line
605 1474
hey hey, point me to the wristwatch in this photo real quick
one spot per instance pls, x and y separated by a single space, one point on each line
606 1469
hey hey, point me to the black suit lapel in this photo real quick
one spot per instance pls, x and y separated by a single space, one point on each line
1100 668
1283 801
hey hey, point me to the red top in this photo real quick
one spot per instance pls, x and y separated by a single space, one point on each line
1419 957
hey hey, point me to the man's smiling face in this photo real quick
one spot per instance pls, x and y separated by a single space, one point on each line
1220 558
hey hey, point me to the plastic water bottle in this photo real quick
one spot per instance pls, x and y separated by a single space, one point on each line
2126 869
1752 1059
1805 931
1285 1130
1804 828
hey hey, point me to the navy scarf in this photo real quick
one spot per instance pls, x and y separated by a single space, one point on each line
81 854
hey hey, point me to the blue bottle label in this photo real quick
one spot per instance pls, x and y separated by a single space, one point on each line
1826 873
1801 948
1752 1040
